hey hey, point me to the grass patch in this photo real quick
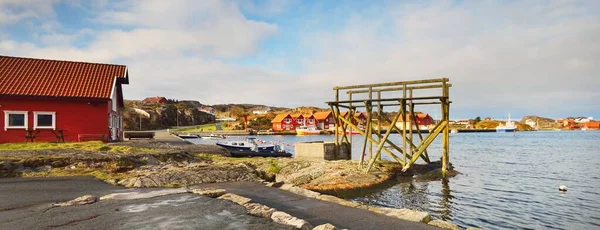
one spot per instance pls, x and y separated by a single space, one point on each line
87 146
274 167
200 128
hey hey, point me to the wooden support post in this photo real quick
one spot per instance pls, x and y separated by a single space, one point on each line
377 143
379 111
425 144
368 133
380 147
446 135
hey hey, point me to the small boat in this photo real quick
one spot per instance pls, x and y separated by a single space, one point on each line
454 131
510 126
277 152
251 148
247 144
213 137
304 130
188 136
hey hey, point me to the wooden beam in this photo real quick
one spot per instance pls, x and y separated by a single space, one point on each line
392 84
385 99
398 88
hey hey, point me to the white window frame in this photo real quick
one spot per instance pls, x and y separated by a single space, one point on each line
8 112
35 120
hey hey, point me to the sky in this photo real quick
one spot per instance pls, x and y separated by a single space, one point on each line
532 57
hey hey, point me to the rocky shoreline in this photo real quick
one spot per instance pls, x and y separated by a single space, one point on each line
156 164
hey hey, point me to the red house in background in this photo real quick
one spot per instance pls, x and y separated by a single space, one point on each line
51 100
324 120
283 122
309 120
298 120
360 119
157 99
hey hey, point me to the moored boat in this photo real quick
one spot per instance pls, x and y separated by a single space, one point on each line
510 126
305 130
247 144
213 137
188 136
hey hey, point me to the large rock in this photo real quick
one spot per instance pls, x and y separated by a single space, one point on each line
209 192
87 199
190 174
405 214
286 219
235 198
444 224
304 192
259 210
325 227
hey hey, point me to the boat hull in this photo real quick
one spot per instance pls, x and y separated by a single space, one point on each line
504 130
262 153
260 148
303 132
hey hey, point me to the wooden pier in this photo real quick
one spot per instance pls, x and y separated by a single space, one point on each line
405 96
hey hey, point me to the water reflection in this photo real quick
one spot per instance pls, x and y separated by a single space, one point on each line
446 201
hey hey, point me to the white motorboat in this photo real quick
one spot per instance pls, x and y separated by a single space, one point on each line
510 126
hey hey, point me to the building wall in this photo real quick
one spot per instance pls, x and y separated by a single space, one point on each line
73 116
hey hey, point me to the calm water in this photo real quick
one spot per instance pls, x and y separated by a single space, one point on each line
507 181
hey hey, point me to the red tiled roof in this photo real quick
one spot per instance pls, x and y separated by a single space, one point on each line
321 115
52 78
156 99
280 117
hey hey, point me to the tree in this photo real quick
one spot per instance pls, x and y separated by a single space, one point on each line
477 119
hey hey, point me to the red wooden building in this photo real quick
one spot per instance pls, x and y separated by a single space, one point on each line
157 99
324 120
50 100
298 120
283 122
360 119
310 120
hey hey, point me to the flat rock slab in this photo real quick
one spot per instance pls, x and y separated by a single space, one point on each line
87 199
287 219
142 195
316 211
444 224
209 192
235 198
179 211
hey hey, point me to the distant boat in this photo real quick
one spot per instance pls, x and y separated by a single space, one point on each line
213 137
304 130
454 131
188 136
510 126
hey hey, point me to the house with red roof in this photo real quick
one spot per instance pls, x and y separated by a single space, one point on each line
283 122
52 100
324 120
157 99
423 120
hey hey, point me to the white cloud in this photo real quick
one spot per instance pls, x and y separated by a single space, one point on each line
497 55
13 11
536 57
